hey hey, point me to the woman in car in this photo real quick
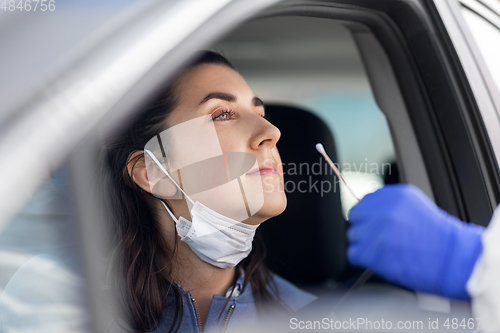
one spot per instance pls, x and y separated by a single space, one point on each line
186 256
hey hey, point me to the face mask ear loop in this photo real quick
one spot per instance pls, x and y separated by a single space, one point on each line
171 214
168 175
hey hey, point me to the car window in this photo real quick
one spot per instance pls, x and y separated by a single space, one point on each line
486 32
314 64
42 286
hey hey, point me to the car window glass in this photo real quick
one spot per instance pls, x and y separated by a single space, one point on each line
42 288
314 64
487 37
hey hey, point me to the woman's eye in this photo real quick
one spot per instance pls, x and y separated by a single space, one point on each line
223 115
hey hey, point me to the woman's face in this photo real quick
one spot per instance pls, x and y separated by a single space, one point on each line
220 93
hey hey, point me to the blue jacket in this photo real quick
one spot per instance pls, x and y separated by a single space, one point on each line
240 310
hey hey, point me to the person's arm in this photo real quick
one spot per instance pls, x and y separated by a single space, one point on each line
483 284
402 236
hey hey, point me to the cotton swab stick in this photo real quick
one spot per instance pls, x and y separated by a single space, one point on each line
367 274
321 150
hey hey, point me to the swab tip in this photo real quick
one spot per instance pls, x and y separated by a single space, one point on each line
320 148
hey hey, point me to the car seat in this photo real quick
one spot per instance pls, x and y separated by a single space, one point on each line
306 244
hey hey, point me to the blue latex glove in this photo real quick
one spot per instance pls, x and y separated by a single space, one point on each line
402 236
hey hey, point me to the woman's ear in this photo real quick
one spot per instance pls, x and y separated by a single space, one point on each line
136 168
150 179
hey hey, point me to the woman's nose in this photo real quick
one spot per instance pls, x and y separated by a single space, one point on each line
265 134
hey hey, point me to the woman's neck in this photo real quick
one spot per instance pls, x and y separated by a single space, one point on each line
201 279
192 273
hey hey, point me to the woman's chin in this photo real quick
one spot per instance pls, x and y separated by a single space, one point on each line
274 205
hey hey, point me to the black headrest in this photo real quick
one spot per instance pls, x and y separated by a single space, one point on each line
306 243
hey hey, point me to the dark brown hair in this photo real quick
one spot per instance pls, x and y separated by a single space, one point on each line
142 259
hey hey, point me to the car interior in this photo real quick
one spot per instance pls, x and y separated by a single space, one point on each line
334 82
366 81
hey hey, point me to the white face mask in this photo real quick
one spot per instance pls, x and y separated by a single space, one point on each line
214 238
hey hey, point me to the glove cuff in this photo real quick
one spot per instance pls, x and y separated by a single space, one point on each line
465 249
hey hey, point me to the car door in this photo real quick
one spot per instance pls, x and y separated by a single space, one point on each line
427 78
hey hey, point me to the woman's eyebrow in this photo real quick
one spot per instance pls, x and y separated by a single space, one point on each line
257 101
219 95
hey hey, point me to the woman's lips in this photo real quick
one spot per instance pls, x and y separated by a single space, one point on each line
263 171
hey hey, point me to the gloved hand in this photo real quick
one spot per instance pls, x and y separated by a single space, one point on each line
402 236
